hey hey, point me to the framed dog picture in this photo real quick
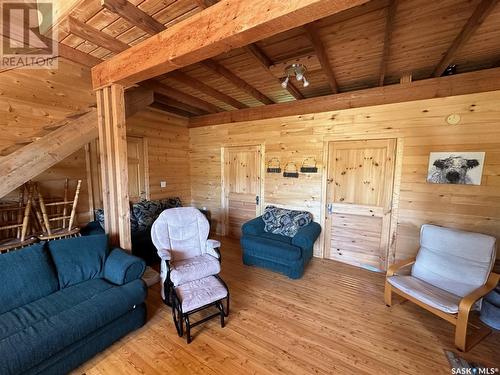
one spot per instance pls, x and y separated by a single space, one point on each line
455 168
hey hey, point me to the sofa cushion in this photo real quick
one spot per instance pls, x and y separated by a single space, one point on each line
194 268
32 333
285 222
79 259
454 260
26 275
270 249
426 293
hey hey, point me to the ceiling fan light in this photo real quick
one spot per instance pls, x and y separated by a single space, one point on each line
299 76
306 82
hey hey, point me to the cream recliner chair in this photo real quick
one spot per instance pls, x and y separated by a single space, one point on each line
450 273
180 236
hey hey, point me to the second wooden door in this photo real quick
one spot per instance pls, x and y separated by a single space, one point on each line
359 194
241 187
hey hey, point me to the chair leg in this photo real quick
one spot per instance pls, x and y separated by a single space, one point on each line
188 328
388 294
461 331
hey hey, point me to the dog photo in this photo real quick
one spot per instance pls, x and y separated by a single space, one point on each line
455 168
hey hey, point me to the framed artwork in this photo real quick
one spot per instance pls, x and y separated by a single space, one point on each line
464 168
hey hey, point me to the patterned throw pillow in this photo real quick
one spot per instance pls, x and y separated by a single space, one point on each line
146 212
285 222
99 216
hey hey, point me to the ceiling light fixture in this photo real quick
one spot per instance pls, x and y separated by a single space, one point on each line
298 71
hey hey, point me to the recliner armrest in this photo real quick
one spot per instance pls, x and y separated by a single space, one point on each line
121 267
253 227
307 235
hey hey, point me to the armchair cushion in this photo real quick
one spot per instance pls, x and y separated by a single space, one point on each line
253 227
285 222
185 270
453 260
426 293
121 268
269 249
79 259
306 236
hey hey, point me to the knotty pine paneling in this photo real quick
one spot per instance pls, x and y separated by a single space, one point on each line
420 125
167 139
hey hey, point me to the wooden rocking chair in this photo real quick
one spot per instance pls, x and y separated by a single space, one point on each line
451 272
57 212
15 221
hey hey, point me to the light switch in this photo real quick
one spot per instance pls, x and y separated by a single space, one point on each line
163 184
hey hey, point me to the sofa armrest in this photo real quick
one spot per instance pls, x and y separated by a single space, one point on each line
307 235
121 267
253 227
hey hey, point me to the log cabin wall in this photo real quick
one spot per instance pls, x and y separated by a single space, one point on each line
31 105
420 128
167 139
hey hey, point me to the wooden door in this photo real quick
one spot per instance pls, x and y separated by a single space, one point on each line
138 185
241 187
359 200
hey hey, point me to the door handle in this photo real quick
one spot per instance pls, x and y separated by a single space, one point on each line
257 200
329 208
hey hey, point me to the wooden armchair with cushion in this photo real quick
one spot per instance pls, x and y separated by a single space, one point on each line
450 273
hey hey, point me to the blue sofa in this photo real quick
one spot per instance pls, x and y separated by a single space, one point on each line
64 301
288 255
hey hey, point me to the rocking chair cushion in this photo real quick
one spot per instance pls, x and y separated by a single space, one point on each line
186 270
426 293
198 293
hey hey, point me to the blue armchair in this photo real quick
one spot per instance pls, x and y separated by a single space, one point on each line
288 255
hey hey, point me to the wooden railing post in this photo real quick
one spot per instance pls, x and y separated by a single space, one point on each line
114 168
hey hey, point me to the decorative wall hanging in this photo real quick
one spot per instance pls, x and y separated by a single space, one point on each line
291 170
309 165
274 166
455 168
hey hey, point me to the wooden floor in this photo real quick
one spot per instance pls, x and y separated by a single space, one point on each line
333 320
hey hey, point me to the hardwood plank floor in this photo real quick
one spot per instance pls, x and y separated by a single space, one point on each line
333 320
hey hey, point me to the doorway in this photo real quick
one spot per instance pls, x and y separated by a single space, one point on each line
360 181
241 187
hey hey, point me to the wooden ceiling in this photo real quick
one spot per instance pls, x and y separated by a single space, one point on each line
371 45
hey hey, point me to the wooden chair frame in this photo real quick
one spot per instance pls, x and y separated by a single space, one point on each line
45 220
461 319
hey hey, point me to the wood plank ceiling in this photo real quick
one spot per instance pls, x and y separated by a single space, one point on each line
371 45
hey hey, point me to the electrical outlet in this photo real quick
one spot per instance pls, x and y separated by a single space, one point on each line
163 184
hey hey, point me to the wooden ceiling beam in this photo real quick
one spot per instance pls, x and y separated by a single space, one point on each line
95 36
482 10
204 4
159 98
134 15
389 26
460 84
221 70
163 89
205 89
171 110
171 49
266 63
313 34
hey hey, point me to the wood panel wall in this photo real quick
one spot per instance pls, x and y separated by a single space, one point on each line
166 139
31 103
420 128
